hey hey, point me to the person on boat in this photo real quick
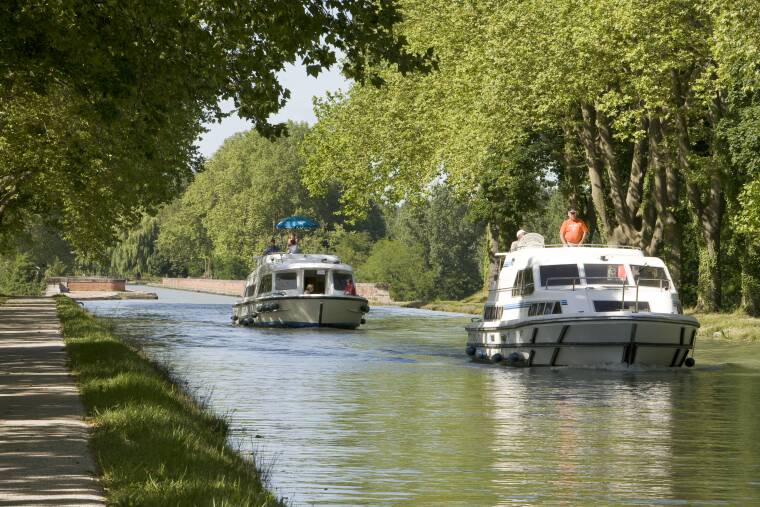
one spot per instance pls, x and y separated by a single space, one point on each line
309 289
516 244
271 247
293 245
350 288
573 231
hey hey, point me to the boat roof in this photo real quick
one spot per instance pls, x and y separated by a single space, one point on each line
284 261
560 254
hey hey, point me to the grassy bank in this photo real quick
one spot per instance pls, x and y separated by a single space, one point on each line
729 326
153 443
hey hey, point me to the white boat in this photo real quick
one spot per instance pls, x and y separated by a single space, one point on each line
582 306
276 293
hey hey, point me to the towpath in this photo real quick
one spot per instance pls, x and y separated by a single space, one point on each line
44 455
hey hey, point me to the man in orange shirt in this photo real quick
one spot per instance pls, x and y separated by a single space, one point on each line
574 230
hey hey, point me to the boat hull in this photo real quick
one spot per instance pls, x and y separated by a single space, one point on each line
660 340
302 311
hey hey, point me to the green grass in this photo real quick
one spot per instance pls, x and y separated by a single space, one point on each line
735 326
153 443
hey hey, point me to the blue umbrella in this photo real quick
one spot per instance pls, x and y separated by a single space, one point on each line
297 222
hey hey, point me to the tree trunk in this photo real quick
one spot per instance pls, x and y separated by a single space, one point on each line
588 139
750 264
492 273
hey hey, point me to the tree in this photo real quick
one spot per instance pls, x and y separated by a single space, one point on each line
400 265
634 94
101 102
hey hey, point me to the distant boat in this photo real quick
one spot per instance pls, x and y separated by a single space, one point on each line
300 290
582 306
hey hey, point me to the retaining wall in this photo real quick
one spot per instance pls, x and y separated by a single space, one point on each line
376 293
227 287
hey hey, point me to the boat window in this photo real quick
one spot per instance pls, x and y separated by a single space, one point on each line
340 279
265 285
544 308
491 312
523 283
559 274
286 281
650 276
604 274
315 278
615 306
249 290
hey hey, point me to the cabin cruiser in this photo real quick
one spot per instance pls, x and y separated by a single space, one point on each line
300 290
582 306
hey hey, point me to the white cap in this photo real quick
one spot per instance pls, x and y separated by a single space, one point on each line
520 233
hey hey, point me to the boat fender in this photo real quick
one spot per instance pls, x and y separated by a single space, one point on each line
689 362
482 356
364 308
363 321
515 358
496 358
234 318
470 350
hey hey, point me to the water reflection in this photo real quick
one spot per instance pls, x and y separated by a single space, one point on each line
395 414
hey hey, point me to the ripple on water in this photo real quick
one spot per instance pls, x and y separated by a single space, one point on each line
397 414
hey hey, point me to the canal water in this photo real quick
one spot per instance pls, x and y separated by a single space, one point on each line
396 414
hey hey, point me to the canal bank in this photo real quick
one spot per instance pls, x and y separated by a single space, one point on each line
155 444
395 413
44 454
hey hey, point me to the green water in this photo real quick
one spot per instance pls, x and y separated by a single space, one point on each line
396 414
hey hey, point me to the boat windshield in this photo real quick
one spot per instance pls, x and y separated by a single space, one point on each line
559 275
340 279
650 276
605 274
314 281
286 280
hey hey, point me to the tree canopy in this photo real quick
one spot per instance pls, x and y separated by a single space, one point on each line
641 111
101 102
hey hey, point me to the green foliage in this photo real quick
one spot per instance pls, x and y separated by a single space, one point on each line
353 247
19 276
134 255
101 103
153 443
449 239
402 266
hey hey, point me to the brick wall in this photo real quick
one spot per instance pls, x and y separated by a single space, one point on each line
93 284
227 287
376 293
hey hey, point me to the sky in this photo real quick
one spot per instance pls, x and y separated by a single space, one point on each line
299 108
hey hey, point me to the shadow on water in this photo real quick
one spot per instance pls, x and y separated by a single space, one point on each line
396 413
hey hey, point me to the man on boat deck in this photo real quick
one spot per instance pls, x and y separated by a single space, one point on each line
516 243
574 230
271 248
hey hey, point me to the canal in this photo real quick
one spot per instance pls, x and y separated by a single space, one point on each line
396 414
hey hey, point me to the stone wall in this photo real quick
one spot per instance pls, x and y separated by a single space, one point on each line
226 287
376 293
81 284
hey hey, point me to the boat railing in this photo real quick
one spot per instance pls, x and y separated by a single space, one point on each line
661 283
574 282
560 245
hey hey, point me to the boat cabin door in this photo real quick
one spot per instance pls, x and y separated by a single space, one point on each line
317 278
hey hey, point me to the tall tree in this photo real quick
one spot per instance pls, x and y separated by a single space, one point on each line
101 102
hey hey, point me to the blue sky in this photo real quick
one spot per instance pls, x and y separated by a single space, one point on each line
299 107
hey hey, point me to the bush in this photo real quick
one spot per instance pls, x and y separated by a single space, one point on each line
19 276
400 265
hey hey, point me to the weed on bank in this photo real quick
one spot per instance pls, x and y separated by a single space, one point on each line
153 443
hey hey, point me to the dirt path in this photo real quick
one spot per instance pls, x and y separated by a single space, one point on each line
44 458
